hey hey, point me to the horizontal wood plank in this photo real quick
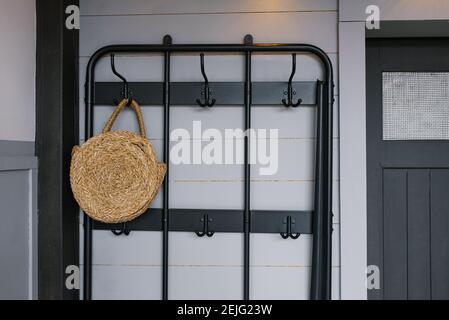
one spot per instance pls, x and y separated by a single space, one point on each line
317 28
165 7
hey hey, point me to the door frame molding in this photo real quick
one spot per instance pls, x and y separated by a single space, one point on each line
353 196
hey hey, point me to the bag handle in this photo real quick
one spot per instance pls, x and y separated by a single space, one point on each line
118 109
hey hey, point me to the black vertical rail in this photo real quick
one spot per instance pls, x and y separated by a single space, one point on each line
328 102
89 131
317 255
321 259
165 215
247 207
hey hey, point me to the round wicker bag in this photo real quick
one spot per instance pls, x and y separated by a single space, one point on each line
115 176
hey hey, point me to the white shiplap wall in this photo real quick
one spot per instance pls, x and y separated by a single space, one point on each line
130 267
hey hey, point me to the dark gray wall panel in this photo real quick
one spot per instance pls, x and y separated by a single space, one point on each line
16 148
14 234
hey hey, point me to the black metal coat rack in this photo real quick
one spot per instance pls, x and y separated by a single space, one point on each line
289 224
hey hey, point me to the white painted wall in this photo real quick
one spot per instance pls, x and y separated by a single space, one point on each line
130 267
17 69
18 166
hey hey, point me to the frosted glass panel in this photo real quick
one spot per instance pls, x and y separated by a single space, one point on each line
415 105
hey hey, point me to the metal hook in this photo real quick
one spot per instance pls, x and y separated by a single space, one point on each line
289 234
205 220
126 93
207 101
124 230
290 93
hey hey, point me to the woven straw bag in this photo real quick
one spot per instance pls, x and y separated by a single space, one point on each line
115 176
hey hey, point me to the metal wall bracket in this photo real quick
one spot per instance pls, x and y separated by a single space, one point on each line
192 220
186 93
205 220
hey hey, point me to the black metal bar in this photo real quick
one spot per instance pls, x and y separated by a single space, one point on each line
329 106
179 48
328 214
322 222
166 216
188 220
322 225
247 205
317 257
87 275
89 130
186 93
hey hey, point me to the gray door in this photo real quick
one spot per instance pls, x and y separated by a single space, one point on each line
408 167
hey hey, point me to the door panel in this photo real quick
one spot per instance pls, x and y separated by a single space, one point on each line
439 233
408 176
395 233
418 244
15 261
415 233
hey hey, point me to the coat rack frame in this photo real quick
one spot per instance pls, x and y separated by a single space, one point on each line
320 94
